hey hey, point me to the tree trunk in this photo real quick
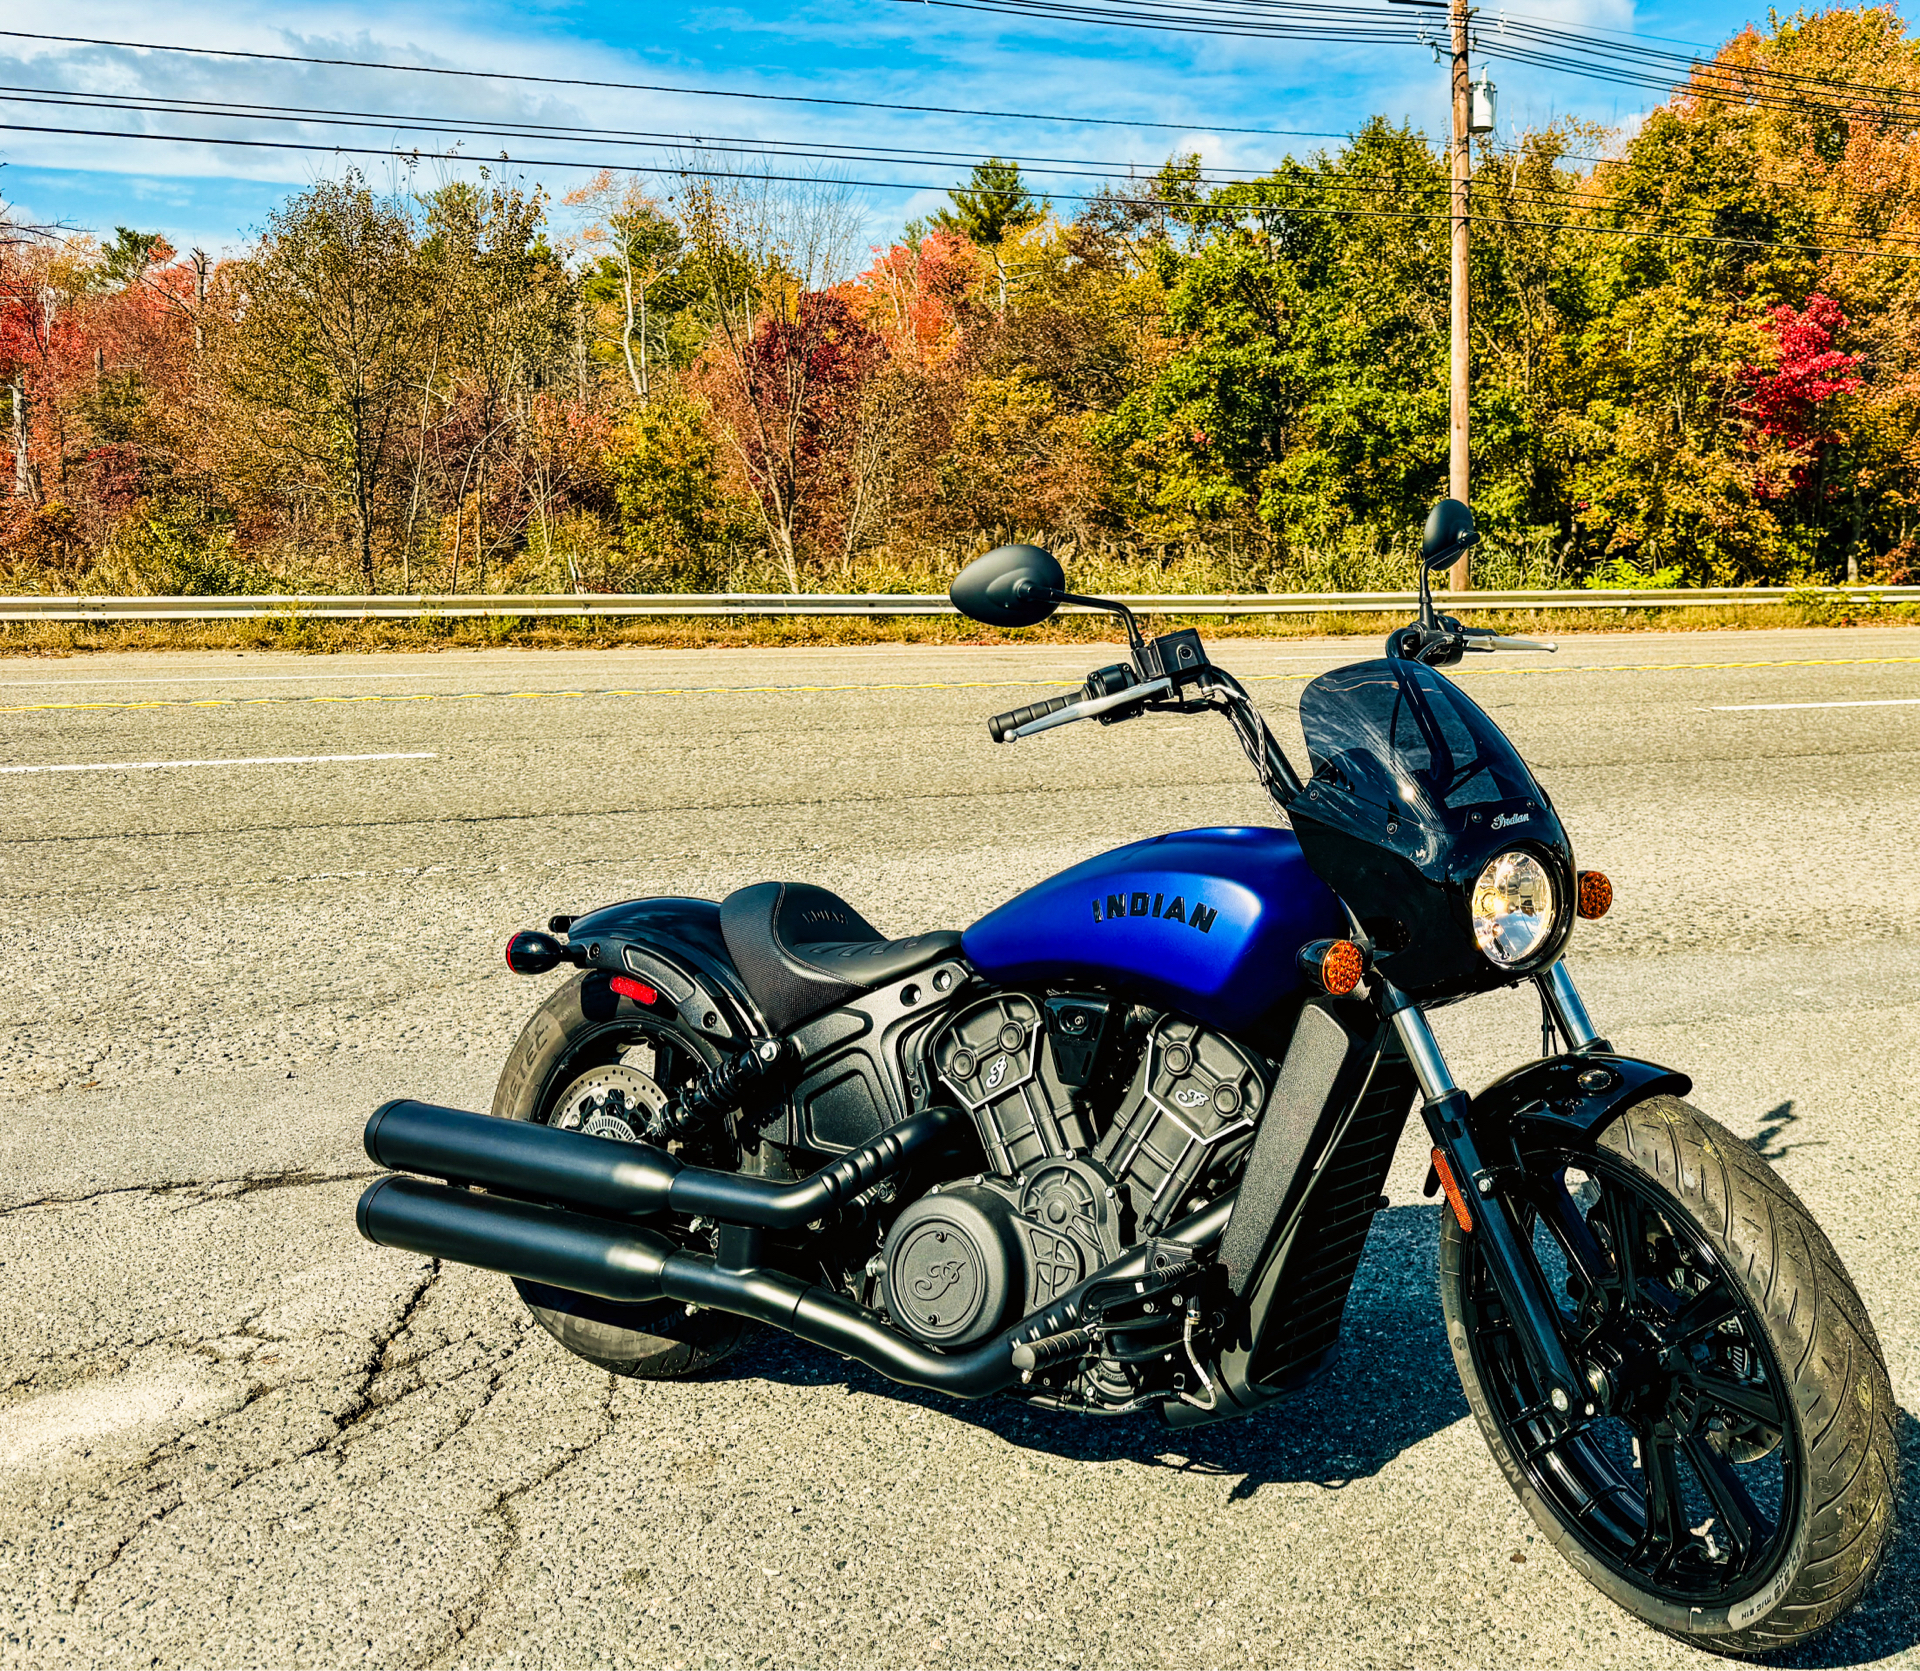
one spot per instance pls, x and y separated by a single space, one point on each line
626 329
22 445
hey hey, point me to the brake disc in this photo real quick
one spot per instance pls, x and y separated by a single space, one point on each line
612 1100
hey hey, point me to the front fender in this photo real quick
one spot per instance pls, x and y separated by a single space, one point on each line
675 946
1547 1100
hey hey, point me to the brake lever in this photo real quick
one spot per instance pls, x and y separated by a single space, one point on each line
1093 707
1492 641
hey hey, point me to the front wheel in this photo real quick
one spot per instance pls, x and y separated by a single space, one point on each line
1732 1480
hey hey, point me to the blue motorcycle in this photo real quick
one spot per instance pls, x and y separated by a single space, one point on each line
1116 1147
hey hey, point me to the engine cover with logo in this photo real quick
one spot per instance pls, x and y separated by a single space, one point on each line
996 1057
953 1266
1193 1103
973 1257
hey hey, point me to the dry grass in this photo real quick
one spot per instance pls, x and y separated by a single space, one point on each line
62 638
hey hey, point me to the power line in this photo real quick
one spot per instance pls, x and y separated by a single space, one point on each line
1574 199
410 158
659 87
1538 45
822 150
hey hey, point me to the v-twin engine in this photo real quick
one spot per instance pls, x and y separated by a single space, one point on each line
1101 1125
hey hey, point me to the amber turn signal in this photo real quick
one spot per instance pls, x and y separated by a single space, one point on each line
1455 1199
1596 894
1335 965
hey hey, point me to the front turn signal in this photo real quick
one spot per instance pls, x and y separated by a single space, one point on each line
1336 966
1596 894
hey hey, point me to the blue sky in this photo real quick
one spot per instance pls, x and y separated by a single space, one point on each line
862 49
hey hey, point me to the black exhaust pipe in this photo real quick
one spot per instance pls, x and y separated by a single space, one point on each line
612 1179
591 1256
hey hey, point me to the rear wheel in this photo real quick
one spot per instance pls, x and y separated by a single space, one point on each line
1734 1482
591 1060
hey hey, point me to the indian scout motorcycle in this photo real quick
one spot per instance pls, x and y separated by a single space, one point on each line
1116 1147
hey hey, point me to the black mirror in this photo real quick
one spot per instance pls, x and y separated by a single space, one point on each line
1449 536
1012 586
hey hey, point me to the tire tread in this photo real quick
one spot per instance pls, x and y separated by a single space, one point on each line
1838 1388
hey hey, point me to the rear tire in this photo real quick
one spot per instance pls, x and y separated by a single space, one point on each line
583 1026
1713 1227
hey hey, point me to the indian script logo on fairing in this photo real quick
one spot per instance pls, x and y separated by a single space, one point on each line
1506 820
997 1072
1189 1098
1175 910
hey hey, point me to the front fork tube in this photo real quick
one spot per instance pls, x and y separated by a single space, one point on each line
1445 1107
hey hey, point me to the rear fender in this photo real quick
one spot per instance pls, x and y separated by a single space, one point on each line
1560 1099
675 946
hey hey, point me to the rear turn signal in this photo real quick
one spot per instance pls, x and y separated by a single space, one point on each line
533 953
1336 966
1596 894
638 991
1455 1199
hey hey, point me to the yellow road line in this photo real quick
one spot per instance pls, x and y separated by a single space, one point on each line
931 684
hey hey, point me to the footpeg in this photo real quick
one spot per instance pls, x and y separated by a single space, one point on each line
1029 1355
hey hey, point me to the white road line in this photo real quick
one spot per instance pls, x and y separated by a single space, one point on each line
1864 702
245 678
174 765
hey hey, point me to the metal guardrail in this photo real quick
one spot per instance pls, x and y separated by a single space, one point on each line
870 604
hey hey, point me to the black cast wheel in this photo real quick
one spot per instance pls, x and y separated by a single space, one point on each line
1732 1478
591 1060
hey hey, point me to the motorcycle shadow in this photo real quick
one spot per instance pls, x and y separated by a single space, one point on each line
1391 1386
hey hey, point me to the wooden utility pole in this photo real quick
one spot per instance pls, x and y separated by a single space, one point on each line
199 301
1457 349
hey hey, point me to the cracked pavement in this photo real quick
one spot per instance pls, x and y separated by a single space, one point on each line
232 1433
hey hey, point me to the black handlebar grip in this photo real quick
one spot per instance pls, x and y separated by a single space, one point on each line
1002 725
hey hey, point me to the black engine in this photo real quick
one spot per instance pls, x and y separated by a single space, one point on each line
1102 1125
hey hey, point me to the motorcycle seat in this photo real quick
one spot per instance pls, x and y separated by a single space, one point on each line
801 949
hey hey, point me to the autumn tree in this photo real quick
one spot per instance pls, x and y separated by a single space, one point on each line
324 326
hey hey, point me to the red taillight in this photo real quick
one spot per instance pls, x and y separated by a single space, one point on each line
638 991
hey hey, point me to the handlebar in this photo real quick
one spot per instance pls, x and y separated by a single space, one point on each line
1001 725
1064 710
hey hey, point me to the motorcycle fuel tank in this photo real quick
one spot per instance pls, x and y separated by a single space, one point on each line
1202 921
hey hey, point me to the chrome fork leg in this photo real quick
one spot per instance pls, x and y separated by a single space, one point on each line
1562 1000
1446 1109
1423 1054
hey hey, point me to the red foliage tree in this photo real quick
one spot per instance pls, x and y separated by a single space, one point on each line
1791 401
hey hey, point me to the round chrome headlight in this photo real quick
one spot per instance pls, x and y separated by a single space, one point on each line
1513 908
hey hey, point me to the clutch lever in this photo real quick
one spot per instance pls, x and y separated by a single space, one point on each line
1489 641
1093 707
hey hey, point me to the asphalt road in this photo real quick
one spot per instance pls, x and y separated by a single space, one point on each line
232 1434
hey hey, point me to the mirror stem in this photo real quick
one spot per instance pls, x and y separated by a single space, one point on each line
1429 618
1134 641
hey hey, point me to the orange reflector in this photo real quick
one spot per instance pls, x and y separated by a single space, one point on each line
1455 1199
1596 894
1341 967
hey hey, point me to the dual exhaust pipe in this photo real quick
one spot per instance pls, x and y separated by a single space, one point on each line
568 1210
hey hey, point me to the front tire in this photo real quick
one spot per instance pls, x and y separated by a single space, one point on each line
585 1035
1735 1484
